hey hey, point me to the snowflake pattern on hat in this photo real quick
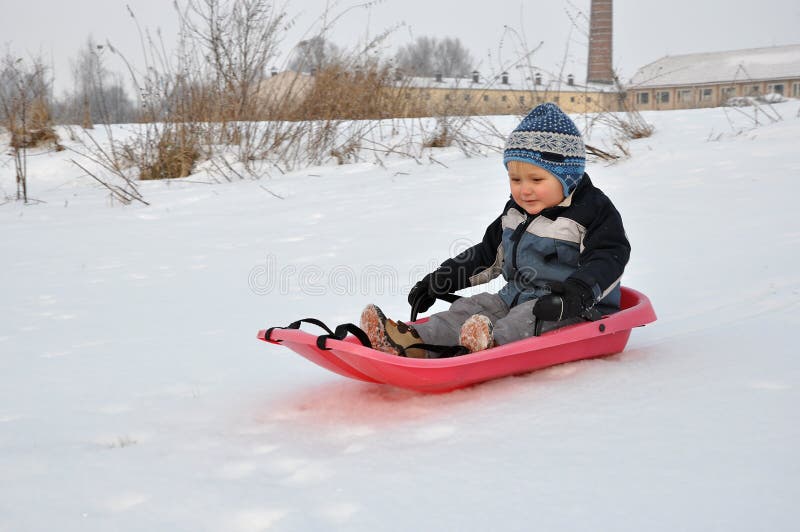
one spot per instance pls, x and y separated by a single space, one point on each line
548 138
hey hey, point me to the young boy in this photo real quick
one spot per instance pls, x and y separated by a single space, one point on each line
559 244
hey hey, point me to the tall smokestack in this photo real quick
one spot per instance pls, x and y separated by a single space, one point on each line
601 36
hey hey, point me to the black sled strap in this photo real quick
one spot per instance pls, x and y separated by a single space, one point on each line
296 325
441 351
341 332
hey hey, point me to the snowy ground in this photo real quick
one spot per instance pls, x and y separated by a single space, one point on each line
135 396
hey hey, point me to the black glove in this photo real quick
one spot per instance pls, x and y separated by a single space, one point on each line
566 300
422 292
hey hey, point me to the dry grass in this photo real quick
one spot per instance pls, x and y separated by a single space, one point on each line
340 92
196 110
36 131
172 160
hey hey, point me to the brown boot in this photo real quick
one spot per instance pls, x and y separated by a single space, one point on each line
373 322
476 333
402 335
387 336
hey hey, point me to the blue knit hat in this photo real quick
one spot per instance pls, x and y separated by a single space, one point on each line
549 139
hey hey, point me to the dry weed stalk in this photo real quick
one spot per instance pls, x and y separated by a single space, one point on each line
625 123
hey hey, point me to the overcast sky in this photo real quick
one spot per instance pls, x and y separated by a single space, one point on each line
644 30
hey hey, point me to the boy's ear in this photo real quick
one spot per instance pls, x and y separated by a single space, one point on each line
552 157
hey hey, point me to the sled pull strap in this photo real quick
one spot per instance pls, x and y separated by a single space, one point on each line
296 325
341 332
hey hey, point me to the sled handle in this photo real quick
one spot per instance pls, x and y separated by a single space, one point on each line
591 314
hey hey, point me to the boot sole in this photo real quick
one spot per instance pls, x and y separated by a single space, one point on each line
476 334
373 322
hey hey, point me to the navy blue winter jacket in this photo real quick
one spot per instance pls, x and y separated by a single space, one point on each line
581 238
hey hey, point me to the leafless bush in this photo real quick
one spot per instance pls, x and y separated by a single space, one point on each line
624 123
25 112
213 102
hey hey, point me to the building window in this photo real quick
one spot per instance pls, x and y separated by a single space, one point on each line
684 96
727 93
795 90
778 87
522 99
588 99
485 97
755 90
555 99
572 99
447 97
662 97
642 98
504 98
467 97
705 95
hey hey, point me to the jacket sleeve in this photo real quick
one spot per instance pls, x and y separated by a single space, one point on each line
605 251
476 265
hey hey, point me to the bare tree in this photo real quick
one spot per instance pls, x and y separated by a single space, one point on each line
313 55
98 96
428 56
88 74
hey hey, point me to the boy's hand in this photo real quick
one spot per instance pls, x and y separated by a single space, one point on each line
422 291
566 300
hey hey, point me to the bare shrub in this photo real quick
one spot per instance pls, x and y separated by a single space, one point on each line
172 158
213 103
25 112
37 130
344 92
625 123
439 139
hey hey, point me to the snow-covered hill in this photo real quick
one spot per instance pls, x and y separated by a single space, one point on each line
135 396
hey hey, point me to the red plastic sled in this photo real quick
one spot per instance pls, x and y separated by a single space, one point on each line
575 342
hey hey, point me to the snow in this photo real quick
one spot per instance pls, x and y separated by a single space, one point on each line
754 64
135 396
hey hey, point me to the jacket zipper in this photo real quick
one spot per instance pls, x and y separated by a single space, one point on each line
516 236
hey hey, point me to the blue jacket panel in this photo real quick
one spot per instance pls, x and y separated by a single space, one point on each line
582 238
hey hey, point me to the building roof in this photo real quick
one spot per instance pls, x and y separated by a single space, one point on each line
756 64
495 83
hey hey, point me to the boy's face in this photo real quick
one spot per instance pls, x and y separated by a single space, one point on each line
534 188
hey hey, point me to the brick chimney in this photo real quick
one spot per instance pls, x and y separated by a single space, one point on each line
601 36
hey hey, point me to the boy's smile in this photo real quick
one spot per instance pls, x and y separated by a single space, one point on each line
534 188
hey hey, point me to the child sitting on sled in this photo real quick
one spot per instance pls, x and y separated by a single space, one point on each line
559 243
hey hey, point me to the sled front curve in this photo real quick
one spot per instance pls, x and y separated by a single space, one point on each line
305 344
575 342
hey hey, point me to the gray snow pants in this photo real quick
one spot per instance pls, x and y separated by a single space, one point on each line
513 324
